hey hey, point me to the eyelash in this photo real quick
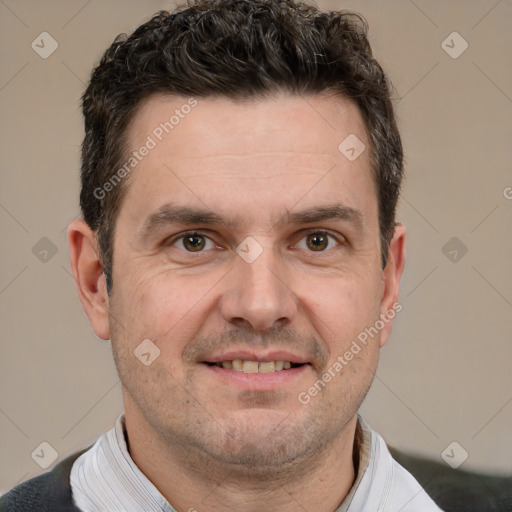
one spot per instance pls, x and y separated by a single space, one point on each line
172 241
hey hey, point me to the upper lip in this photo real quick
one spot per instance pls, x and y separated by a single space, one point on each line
247 355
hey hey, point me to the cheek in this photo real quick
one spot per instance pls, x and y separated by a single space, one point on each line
166 307
342 307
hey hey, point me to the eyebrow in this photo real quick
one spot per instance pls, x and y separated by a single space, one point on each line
170 213
329 212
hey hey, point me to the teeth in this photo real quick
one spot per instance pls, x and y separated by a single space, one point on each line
250 367
267 367
254 366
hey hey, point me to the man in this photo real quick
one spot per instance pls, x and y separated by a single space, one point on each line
240 172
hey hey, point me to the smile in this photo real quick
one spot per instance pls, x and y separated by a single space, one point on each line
246 366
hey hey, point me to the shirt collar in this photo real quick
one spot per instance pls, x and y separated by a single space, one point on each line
362 447
106 477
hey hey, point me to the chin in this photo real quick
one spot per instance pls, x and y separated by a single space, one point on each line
258 441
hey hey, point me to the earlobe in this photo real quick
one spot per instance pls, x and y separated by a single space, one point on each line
389 305
89 276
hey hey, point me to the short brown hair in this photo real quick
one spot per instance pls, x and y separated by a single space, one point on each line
236 49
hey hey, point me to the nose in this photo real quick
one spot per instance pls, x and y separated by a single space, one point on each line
258 295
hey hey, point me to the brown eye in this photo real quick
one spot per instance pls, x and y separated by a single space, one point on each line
194 243
317 241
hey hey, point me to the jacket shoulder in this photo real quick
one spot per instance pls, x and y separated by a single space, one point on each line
455 490
50 491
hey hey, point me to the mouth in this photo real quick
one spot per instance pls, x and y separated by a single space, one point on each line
250 366
252 371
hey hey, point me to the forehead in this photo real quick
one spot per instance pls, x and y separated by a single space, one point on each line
226 154
297 123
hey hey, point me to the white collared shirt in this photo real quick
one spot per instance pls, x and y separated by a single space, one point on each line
106 479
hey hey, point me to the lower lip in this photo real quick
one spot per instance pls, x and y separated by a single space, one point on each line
257 381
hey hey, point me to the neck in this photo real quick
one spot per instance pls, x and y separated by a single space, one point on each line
191 481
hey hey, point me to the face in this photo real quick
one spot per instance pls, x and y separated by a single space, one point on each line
247 241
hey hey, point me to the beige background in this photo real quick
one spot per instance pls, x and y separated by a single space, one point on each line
445 376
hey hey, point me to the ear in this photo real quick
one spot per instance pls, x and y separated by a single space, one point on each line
389 305
89 277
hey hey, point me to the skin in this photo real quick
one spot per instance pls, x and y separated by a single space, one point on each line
206 442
